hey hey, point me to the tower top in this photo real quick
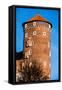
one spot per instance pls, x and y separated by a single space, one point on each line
37 18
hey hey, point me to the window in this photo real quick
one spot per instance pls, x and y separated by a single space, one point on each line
44 33
26 34
34 32
34 23
25 25
30 52
29 43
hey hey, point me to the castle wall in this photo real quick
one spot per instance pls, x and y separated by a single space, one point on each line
37 44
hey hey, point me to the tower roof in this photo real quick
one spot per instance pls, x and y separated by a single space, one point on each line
37 18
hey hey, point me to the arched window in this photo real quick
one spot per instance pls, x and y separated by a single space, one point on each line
34 32
30 52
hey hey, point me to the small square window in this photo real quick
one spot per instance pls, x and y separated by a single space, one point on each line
34 23
34 32
44 33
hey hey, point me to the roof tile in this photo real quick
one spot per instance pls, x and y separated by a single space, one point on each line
37 17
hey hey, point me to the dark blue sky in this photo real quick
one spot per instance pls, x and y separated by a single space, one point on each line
23 15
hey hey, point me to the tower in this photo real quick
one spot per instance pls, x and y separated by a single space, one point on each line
37 42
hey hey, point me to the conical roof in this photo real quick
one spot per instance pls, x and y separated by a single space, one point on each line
37 17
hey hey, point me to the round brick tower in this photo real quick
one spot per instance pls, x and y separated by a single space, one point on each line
37 42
